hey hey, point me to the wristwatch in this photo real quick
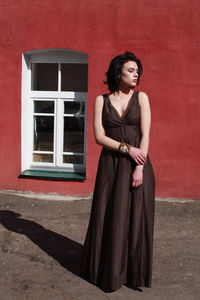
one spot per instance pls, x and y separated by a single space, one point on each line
124 148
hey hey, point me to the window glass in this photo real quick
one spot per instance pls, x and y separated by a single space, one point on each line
43 157
74 107
44 77
74 77
73 159
43 106
74 134
43 133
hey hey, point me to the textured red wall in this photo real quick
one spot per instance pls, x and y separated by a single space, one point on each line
164 34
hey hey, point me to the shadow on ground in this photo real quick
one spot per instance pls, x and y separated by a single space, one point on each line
67 252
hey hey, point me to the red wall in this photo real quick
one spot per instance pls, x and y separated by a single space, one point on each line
164 34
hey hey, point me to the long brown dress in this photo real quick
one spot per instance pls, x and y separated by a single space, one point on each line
118 246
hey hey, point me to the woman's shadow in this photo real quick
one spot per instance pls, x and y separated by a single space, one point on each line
67 252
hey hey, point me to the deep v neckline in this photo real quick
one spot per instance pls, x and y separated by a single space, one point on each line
126 109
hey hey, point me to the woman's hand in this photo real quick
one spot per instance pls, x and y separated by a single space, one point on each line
137 176
138 155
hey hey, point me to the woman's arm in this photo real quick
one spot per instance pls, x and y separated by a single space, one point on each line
99 132
145 122
137 176
137 154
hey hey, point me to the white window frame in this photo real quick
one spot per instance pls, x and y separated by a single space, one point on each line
28 97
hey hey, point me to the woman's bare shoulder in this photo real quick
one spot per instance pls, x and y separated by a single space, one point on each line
142 94
143 98
99 100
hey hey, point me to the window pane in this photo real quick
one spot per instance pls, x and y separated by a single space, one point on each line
73 159
74 107
43 106
44 77
74 77
43 133
74 134
43 157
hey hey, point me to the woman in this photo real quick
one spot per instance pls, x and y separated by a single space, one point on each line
119 241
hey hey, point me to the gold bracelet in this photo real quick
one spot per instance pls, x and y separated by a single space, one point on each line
124 148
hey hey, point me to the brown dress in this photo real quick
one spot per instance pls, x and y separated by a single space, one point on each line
118 246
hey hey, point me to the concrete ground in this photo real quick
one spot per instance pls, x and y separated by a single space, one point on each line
41 242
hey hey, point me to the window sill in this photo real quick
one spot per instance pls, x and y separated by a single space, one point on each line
53 175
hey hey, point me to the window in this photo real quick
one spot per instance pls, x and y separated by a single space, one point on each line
54 106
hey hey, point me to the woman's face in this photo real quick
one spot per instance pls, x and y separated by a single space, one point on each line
129 74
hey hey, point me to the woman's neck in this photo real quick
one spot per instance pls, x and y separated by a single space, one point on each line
122 91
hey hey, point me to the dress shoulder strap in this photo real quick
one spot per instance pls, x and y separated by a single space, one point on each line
137 96
104 96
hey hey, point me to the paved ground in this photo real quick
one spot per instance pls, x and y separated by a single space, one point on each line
41 241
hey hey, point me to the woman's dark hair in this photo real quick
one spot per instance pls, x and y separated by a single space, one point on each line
115 68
